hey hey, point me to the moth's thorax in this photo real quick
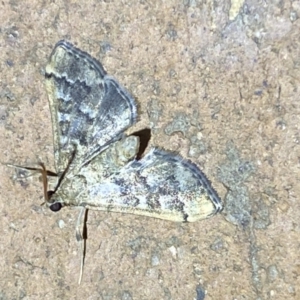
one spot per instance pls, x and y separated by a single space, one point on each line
69 191
73 188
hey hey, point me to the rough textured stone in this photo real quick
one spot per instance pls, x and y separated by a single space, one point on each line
235 67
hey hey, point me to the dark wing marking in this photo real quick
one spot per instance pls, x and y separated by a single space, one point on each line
89 109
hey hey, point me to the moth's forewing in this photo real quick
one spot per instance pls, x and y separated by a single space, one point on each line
161 185
89 109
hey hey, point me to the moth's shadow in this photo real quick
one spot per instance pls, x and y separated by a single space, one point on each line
144 135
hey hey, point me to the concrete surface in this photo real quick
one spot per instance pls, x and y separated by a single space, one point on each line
217 82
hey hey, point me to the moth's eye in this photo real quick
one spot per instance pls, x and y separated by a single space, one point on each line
55 206
49 194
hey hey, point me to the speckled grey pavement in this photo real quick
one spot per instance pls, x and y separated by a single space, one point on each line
217 82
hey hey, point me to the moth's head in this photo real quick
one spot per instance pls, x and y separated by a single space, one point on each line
54 201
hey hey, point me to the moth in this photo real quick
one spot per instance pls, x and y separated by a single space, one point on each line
96 162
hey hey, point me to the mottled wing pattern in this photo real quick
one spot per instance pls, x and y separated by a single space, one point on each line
89 109
161 184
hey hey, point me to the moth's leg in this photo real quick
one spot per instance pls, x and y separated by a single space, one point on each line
81 236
